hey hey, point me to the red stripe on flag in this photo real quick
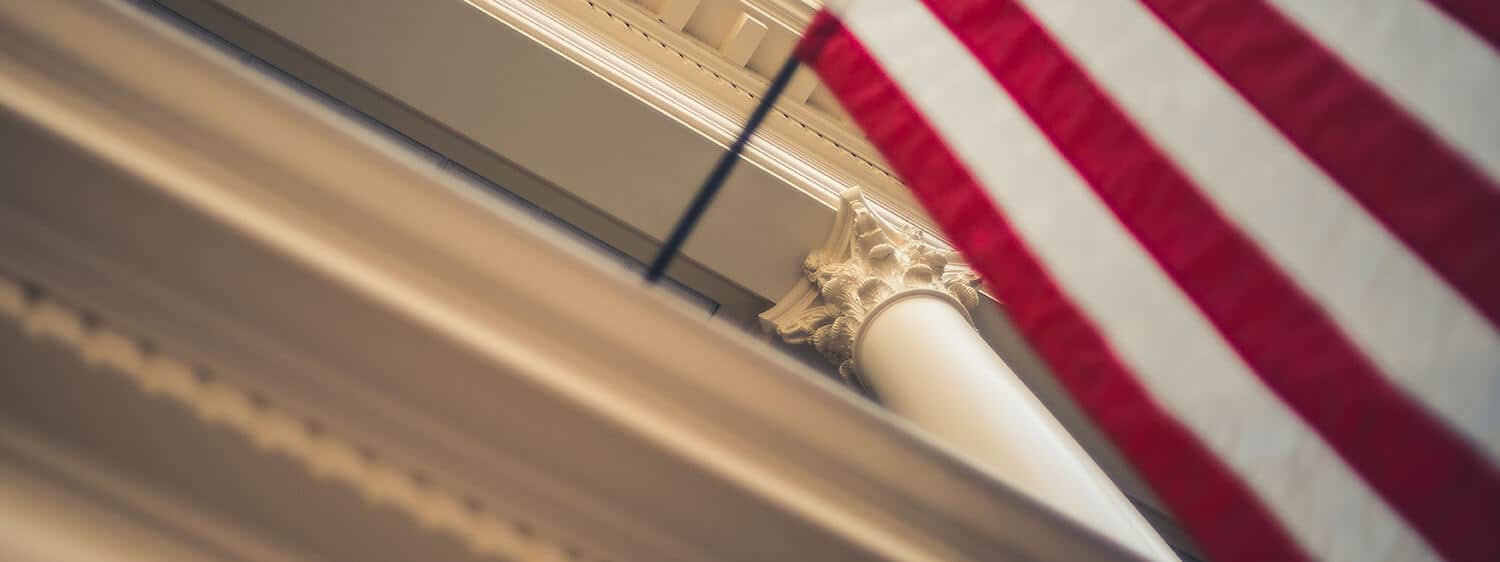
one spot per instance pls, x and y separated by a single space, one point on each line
1301 354
1226 518
1439 204
1480 16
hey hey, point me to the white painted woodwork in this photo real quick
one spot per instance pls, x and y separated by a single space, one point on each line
60 506
804 81
675 13
657 106
275 285
42 522
743 38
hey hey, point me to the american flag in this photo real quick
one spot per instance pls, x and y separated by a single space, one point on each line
1258 241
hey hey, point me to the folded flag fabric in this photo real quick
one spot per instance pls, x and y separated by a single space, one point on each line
1258 241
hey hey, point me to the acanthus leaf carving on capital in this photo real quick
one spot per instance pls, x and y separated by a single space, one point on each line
866 262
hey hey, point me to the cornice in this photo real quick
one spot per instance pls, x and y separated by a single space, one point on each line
72 507
809 144
274 429
285 262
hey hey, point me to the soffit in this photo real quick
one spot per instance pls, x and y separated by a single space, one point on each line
307 284
604 113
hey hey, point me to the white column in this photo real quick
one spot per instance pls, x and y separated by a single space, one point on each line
892 312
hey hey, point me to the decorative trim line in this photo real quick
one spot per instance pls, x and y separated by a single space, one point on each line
635 24
275 431
682 76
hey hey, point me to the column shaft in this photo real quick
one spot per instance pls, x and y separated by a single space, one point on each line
929 366
890 310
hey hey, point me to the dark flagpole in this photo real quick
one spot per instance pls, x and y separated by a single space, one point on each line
720 173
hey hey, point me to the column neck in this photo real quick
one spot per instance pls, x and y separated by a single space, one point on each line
885 304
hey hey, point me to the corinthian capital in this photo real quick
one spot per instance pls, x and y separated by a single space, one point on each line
867 263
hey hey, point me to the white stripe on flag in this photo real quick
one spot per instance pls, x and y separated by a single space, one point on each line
1152 326
1423 335
1434 66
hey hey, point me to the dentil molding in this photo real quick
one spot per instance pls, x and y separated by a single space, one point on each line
673 54
867 263
273 429
320 270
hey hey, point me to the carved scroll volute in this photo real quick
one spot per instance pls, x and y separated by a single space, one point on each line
865 262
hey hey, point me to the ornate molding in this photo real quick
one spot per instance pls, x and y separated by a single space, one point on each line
808 142
867 262
704 427
274 430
